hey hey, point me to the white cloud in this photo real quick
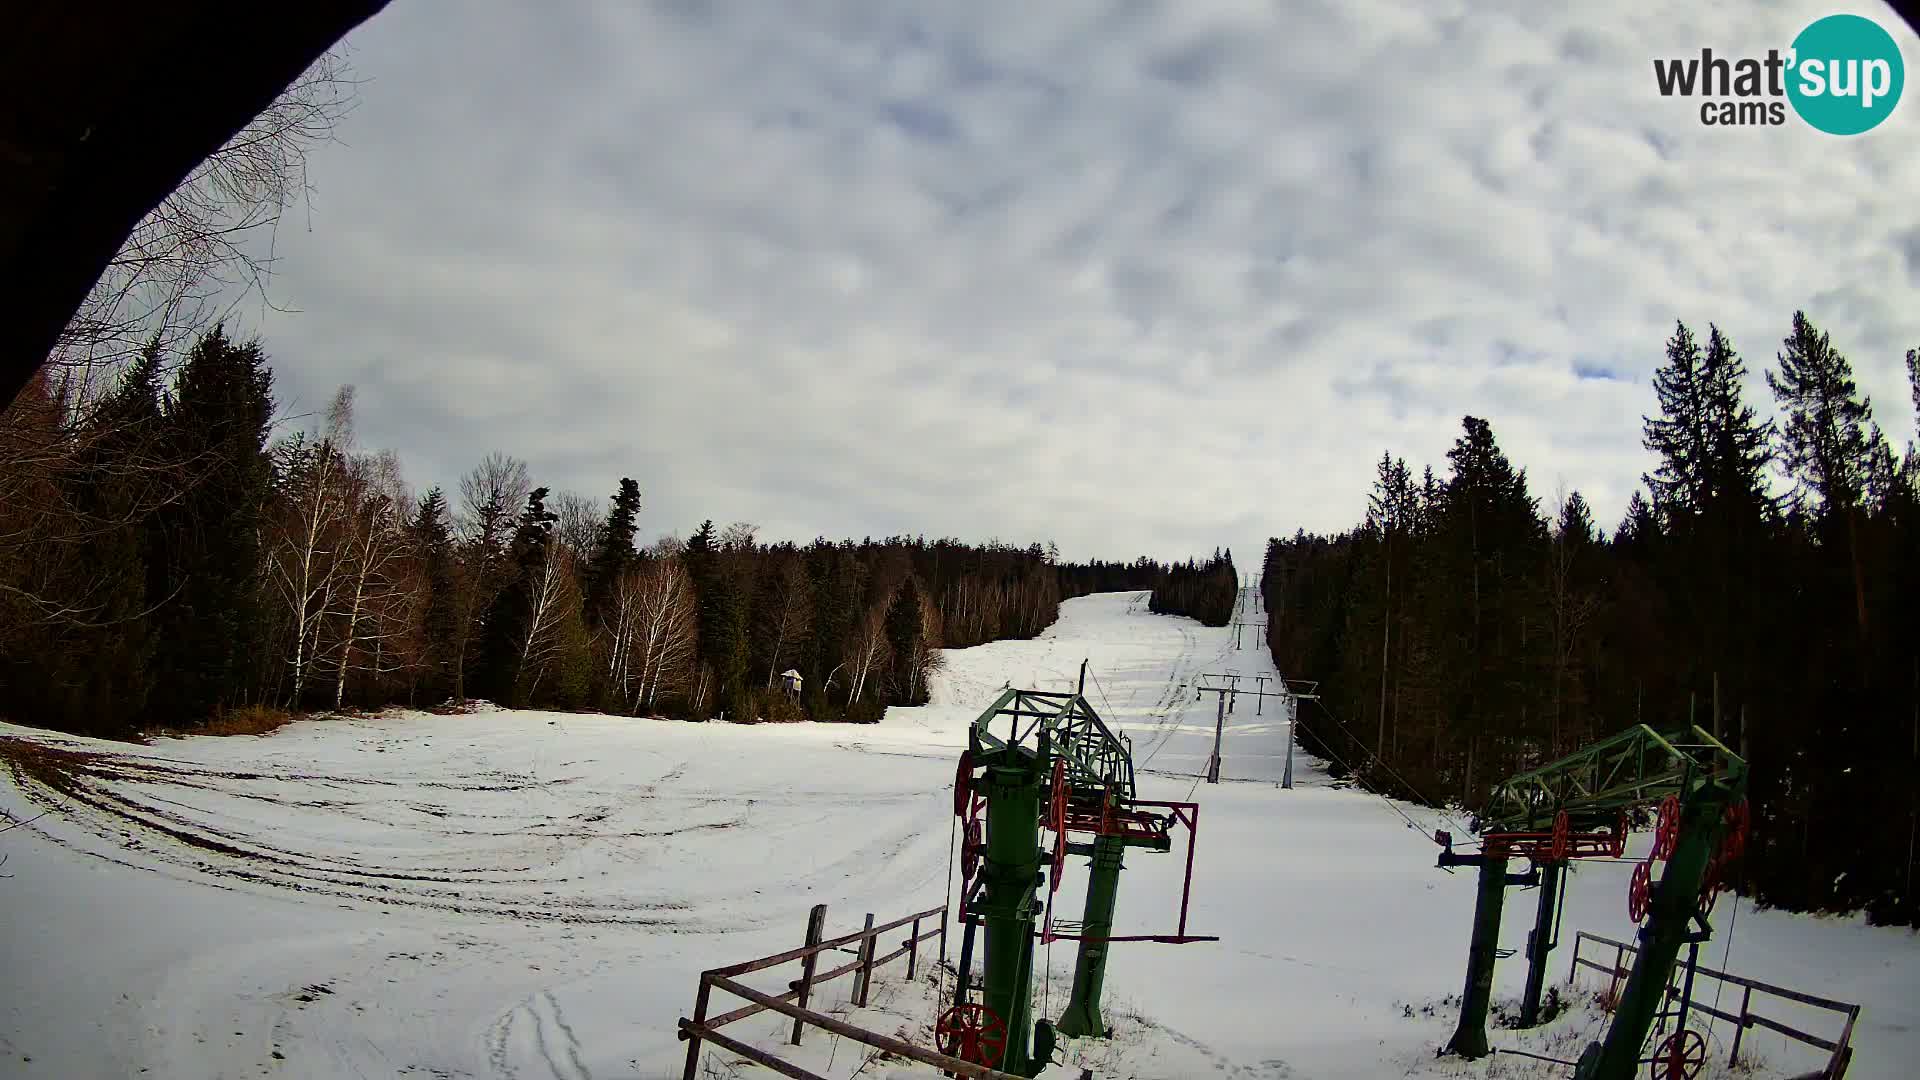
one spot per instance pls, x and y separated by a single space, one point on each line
1140 278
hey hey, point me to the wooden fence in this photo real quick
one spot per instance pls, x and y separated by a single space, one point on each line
793 1003
1839 1049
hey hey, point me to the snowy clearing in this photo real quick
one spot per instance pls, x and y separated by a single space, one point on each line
532 895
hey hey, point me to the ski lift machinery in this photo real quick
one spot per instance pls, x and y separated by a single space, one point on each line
1052 766
1578 807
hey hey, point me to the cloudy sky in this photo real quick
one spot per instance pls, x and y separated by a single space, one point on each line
1137 278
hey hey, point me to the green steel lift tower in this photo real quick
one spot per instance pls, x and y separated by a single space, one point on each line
1038 762
1578 807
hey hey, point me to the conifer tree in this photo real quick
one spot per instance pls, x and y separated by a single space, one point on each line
98 664
1830 446
722 608
615 552
904 631
1828 442
1679 435
207 555
512 616
440 613
489 496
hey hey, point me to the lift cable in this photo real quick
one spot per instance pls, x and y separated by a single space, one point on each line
940 997
1391 771
1727 956
1046 987
1103 691
1411 824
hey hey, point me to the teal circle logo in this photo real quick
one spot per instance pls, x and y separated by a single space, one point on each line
1845 74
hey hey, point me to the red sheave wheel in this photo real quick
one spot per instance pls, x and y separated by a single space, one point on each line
1057 813
1680 1056
972 1032
1711 884
1562 828
1735 843
963 784
1639 893
1618 847
1666 834
970 848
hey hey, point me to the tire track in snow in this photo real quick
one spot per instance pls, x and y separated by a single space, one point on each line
537 1024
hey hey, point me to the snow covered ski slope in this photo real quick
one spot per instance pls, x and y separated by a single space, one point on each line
532 895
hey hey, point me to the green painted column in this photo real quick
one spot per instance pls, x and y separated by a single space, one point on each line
1082 1017
1470 1037
1007 903
1541 943
1669 913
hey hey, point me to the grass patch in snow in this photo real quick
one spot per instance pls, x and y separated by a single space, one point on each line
243 720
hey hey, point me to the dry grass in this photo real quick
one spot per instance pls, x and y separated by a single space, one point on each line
245 720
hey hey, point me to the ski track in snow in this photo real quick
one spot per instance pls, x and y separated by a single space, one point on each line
525 895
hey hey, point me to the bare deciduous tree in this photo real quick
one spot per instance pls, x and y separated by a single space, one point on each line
577 522
664 628
490 496
739 537
209 245
868 651
305 535
789 613
376 604
552 598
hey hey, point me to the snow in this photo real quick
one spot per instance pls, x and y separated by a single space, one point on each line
519 894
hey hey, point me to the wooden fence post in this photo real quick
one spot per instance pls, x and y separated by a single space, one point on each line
943 934
913 950
816 923
1740 1032
693 1038
865 976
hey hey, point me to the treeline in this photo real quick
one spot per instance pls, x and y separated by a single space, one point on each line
164 560
1206 591
1462 635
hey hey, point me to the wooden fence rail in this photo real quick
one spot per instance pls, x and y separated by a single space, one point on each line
1839 1050
793 1003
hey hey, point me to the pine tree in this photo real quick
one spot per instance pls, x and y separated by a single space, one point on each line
511 618
207 551
1491 539
1830 445
1573 602
433 544
1639 525
722 607
904 637
1739 446
784 620
1679 435
1913 448
100 665
489 495
615 551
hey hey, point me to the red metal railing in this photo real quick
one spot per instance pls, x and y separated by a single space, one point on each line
1839 1049
704 1029
1136 822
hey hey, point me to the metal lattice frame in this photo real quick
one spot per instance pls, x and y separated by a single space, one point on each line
1594 784
1052 765
1097 759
